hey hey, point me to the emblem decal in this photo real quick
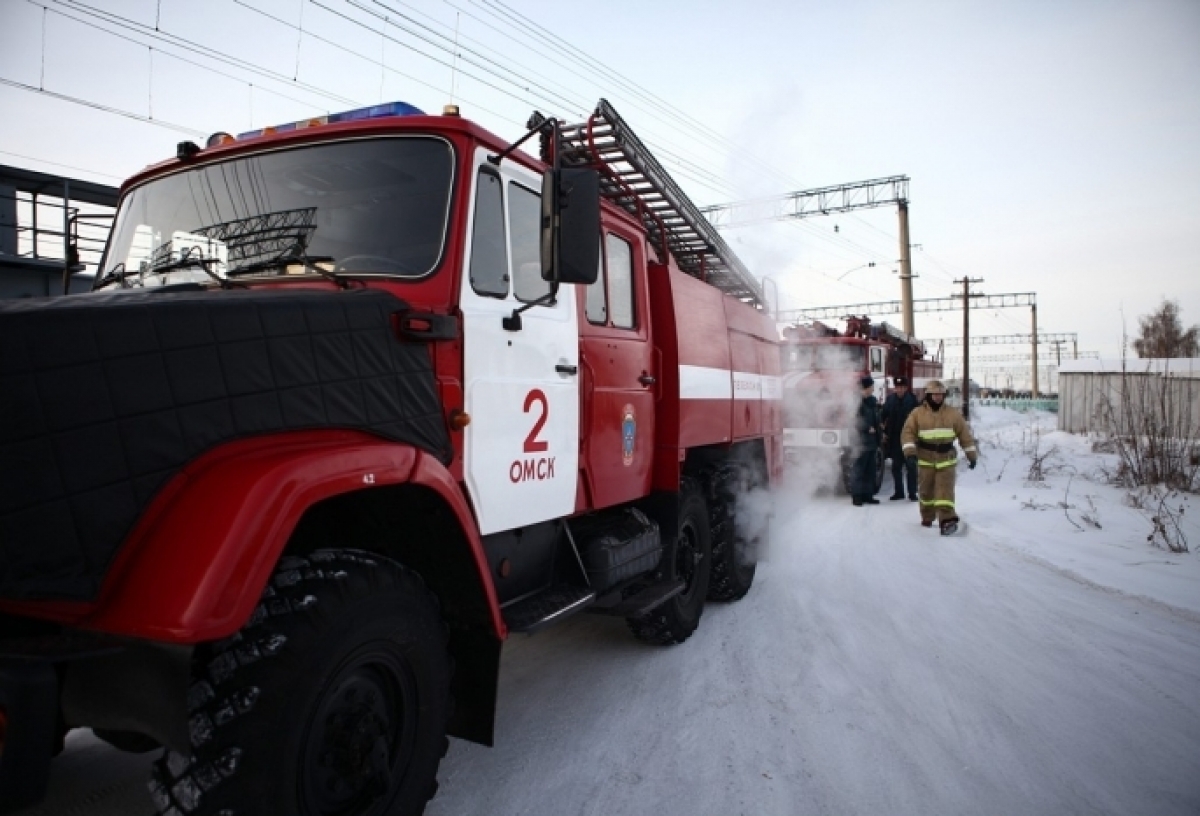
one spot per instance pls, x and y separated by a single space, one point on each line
628 434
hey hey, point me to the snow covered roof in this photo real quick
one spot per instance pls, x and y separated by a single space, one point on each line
1172 367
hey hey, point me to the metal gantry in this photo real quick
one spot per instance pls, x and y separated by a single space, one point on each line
1014 339
1043 359
947 304
836 198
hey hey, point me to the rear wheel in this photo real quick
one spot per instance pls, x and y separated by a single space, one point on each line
690 559
734 558
333 699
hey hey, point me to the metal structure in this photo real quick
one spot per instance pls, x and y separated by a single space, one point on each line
953 303
1014 339
856 195
837 198
946 304
633 179
1016 358
46 238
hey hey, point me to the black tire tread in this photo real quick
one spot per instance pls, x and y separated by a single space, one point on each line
223 688
667 624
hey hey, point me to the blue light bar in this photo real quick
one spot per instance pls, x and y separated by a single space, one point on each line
376 111
358 114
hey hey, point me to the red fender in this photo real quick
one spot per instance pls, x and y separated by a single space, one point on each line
195 565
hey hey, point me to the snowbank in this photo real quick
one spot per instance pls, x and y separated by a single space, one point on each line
1046 494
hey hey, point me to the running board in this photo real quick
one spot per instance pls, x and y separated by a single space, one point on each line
643 602
548 606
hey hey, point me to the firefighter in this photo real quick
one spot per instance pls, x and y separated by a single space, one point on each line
867 424
896 408
928 436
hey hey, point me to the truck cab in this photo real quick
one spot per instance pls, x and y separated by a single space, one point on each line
353 399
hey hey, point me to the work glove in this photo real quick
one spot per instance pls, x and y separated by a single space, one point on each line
971 465
911 460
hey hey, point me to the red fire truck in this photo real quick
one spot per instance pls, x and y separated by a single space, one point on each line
822 368
353 399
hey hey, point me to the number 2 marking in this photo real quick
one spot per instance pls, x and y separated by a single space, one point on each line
532 443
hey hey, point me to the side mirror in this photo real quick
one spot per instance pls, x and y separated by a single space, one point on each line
570 239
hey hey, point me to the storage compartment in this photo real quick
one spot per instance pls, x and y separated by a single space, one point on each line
616 545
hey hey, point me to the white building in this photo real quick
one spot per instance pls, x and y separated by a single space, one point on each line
1103 395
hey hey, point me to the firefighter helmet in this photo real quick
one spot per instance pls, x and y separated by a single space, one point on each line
935 387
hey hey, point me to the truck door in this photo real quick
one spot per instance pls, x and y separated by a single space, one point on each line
878 354
620 375
521 448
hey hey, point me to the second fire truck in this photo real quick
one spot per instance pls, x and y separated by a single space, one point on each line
822 368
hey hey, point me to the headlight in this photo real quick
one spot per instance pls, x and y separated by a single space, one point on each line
829 438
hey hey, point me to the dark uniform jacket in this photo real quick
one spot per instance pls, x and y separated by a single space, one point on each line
895 411
867 423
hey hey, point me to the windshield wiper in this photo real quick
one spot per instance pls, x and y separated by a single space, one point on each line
309 262
117 273
190 258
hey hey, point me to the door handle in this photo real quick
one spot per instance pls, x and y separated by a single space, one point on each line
566 369
647 380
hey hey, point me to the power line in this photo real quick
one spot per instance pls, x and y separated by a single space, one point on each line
97 106
60 164
657 106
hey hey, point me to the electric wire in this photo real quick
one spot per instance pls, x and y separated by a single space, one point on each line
190 46
97 106
635 89
60 164
681 164
176 57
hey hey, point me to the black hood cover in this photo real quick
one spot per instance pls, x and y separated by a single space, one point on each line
104 397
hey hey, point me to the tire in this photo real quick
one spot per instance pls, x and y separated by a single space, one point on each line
690 558
733 563
333 699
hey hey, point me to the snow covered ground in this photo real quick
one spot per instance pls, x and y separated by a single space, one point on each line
1073 520
1046 662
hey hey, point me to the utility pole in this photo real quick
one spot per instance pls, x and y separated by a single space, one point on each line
1058 344
906 298
966 386
1033 311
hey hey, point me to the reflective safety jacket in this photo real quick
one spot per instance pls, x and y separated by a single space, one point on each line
930 435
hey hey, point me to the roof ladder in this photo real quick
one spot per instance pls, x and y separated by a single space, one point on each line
633 179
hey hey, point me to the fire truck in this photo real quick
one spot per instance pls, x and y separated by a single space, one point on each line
353 400
822 369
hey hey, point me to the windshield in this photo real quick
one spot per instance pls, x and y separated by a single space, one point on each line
377 206
825 357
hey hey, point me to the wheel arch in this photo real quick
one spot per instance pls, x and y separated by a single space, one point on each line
194 568
414 525
195 565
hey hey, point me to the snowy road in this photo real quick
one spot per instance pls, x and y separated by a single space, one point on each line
874 668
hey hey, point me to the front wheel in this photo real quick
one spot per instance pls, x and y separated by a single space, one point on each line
333 699
690 559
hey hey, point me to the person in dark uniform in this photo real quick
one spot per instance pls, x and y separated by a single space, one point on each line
896 408
867 425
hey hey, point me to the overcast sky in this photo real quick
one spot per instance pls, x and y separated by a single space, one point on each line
1053 146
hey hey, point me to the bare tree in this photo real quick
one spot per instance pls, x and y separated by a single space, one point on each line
1162 334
